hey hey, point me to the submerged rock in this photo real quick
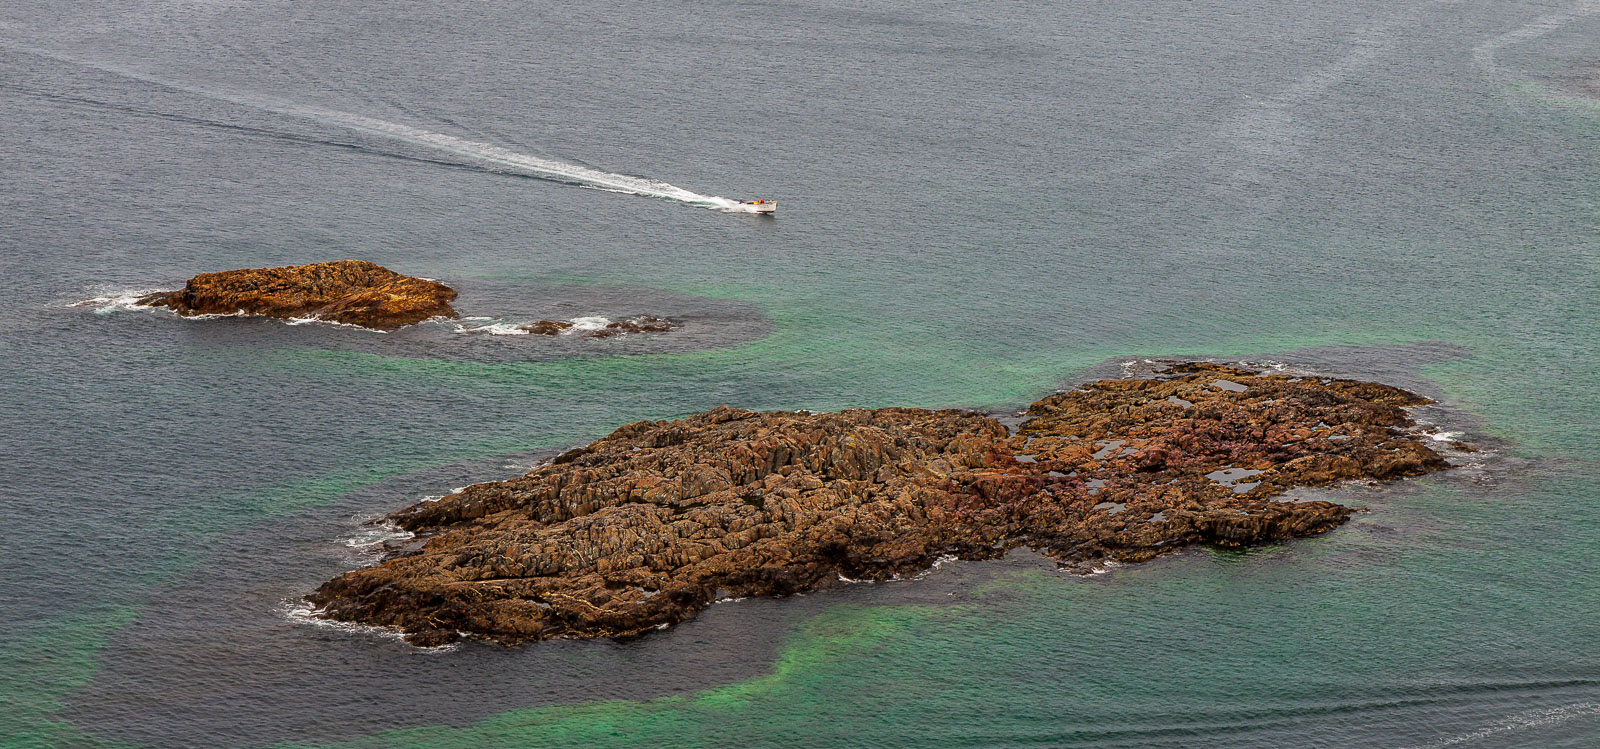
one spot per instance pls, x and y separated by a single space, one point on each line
643 528
547 327
353 292
642 324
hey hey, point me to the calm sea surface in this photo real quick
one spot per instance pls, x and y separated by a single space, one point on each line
980 203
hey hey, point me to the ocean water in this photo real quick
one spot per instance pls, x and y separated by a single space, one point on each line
979 203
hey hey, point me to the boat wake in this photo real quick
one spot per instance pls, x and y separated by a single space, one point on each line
483 155
509 160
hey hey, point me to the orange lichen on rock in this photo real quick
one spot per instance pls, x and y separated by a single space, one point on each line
353 292
646 527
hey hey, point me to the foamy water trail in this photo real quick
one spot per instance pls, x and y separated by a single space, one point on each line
486 154
519 162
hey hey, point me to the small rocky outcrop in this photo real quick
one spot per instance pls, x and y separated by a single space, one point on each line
547 327
353 292
642 324
648 526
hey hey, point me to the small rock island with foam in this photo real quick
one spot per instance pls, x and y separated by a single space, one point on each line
351 292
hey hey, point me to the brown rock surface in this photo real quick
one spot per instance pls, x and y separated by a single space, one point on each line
354 292
647 526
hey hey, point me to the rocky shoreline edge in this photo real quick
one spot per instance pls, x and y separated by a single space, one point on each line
647 526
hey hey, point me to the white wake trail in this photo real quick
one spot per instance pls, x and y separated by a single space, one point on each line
484 153
521 162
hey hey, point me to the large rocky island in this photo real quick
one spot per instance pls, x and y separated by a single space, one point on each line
352 292
648 526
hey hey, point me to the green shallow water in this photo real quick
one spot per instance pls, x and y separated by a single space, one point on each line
980 206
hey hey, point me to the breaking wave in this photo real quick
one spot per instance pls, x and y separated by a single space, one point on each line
117 301
589 323
500 327
303 613
369 543
480 326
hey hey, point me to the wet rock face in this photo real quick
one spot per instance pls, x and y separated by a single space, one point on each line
645 527
354 292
